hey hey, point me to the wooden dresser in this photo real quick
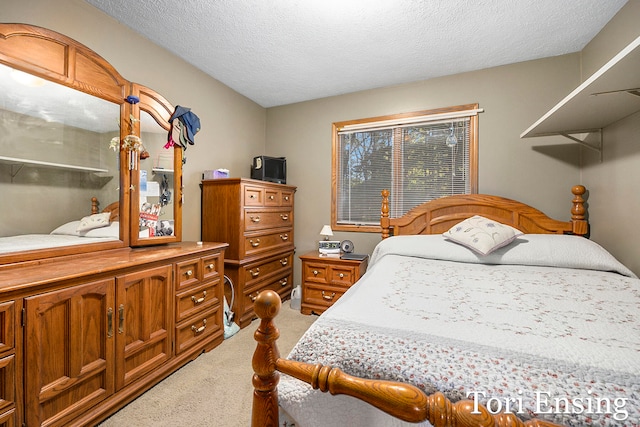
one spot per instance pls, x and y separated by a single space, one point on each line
256 219
81 336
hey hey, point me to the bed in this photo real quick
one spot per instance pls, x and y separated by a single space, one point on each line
541 331
99 226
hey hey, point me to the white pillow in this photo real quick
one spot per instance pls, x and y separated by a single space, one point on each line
70 229
94 221
112 231
481 234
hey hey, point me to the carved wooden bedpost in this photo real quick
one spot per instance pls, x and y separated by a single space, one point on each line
580 224
94 205
265 378
384 214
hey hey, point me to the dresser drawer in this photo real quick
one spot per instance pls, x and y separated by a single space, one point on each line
261 219
258 243
212 266
274 197
342 275
188 273
264 268
7 322
196 300
253 196
199 328
282 284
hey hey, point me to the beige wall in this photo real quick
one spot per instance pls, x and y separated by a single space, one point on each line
614 200
540 172
233 127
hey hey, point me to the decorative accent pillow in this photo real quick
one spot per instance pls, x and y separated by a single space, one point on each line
94 221
481 234
69 229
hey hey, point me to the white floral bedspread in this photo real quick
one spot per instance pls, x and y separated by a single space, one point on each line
556 342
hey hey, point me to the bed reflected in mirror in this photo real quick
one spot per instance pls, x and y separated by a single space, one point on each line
54 158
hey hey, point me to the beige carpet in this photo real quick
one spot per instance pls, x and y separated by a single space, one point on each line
213 390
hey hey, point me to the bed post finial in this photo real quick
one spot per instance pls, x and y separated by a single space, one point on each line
578 211
94 205
384 214
265 378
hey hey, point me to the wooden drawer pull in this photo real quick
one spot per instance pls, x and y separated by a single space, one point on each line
255 273
255 219
255 244
199 300
284 217
283 282
201 329
284 261
284 236
328 297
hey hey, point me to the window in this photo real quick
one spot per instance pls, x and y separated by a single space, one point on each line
416 156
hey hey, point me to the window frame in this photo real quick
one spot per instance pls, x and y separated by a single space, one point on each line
335 141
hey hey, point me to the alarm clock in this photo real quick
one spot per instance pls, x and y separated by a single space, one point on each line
346 246
329 246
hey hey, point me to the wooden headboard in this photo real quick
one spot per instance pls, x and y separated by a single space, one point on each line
114 208
438 215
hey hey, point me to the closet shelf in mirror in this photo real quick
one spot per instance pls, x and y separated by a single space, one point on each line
161 170
22 162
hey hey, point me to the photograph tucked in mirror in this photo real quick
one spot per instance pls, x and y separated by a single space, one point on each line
156 181
54 161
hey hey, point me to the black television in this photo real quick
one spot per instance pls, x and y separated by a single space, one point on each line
272 169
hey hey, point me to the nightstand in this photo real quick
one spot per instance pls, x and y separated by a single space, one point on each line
325 278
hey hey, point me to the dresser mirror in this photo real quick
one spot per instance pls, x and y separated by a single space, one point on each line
61 106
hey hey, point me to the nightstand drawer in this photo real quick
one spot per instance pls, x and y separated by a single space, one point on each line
212 266
322 296
261 219
315 273
343 275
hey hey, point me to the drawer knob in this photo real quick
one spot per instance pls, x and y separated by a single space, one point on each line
255 219
286 198
253 297
210 266
255 244
284 217
341 275
315 272
283 282
189 273
255 273
199 300
252 196
284 236
328 297
271 197
284 261
201 329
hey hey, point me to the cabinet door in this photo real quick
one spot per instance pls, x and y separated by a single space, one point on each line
143 322
69 351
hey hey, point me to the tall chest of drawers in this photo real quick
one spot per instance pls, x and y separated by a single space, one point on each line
256 219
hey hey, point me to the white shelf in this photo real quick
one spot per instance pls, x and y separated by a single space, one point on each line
610 94
22 162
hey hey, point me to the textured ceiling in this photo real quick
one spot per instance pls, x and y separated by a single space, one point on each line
278 52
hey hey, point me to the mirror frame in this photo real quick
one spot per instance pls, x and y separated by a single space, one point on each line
60 59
